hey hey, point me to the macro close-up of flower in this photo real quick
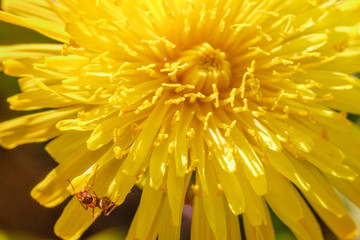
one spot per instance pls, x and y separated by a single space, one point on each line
235 108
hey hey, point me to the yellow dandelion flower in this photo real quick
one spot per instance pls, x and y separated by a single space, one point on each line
231 106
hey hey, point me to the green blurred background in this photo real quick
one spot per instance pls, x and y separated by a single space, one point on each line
22 168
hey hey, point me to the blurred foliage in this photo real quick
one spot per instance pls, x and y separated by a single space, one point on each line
5 235
352 117
282 232
11 34
109 234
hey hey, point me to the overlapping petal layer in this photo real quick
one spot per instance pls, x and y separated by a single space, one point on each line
229 106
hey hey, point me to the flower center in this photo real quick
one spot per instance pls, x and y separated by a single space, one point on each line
203 67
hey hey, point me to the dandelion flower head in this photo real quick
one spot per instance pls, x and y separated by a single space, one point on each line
231 106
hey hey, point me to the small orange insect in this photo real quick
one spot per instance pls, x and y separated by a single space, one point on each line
88 201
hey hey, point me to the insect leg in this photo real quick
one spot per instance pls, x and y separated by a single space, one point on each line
110 209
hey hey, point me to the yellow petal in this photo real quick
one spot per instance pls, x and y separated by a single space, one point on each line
105 168
137 92
104 132
152 234
283 196
285 166
176 187
337 170
200 227
233 225
29 51
220 148
87 120
52 190
254 205
143 143
37 127
66 63
158 161
345 100
297 228
88 36
350 190
260 131
340 131
253 167
198 154
121 186
328 79
38 99
232 189
320 190
48 28
149 208
40 9
305 43
325 155
132 230
309 222
289 133
213 203
25 68
344 89
263 231
73 221
344 61
305 228
168 229
342 226
181 148
60 149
